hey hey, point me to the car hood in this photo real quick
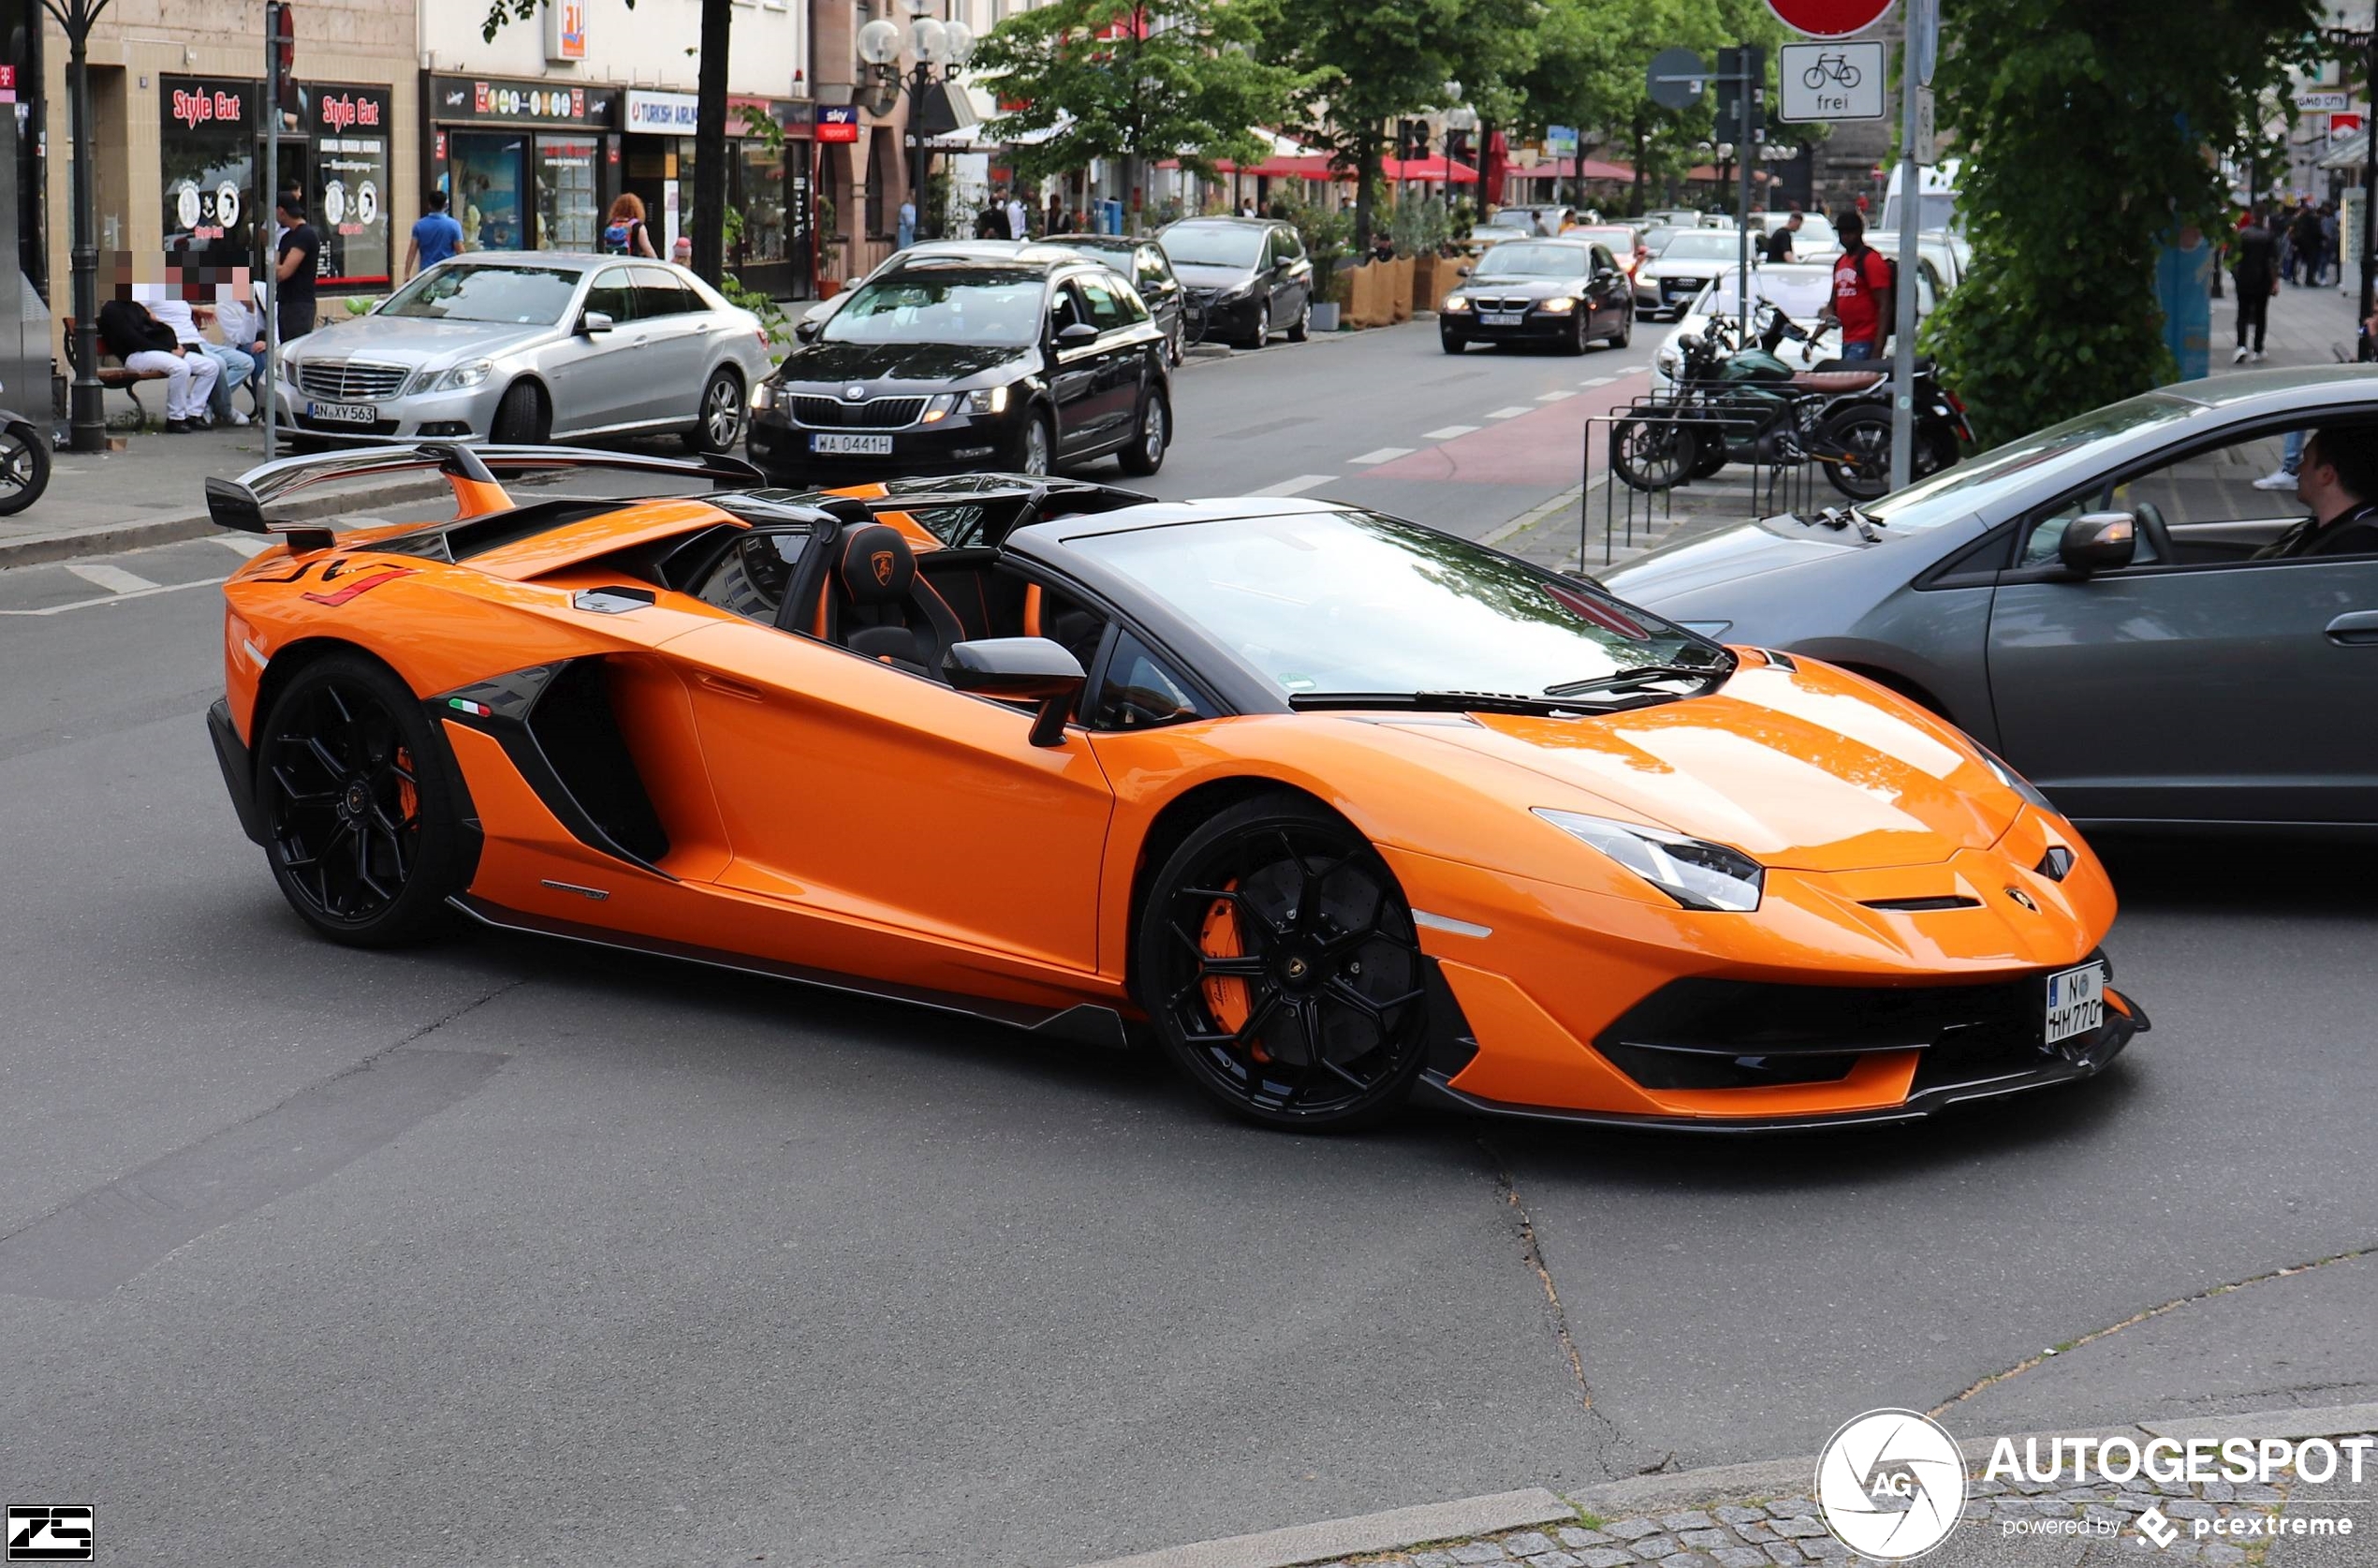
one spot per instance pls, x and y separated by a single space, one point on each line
1224 278
836 365
416 340
1808 771
1747 550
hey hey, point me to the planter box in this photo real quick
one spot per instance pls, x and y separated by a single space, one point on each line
1325 315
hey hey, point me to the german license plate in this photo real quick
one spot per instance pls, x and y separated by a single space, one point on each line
345 413
851 446
1501 318
2075 1002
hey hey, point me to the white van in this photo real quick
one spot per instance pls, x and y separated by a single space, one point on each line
1939 212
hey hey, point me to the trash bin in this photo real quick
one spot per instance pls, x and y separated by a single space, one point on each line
1110 216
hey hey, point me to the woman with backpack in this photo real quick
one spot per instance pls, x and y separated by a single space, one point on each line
624 231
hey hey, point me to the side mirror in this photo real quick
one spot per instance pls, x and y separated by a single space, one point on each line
1605 274
1020 670
592 322
807 331
1076 333
1461 271
2099 542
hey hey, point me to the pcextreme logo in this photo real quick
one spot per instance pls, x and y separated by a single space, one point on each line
1891 1485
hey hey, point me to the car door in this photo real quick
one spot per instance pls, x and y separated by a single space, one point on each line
914 816
675 326
1603 286
1115 401
1074 380
2204 686
593 376
1159 289
1291 276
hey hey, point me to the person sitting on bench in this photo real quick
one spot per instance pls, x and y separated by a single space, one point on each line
146 343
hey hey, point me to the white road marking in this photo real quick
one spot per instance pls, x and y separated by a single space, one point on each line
118 598
1598 381
115 579
242 544
1448 433
1555 397
1385 454
1508 413
1297 486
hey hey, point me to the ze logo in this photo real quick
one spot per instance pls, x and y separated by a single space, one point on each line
52 1533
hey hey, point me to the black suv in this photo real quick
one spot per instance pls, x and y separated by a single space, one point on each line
969 355
1250 276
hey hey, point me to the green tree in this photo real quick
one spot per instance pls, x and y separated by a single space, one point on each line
2089 134
1115 78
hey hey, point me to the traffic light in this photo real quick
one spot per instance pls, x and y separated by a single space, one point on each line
1457 145
283 30
1412 139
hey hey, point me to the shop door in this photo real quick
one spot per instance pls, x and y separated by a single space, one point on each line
569 211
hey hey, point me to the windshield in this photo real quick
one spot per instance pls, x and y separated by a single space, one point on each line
1703 244
1348 602
464 291
1522 259
1974 485
1118 256
1799 292
1218 245
1512 217
978 306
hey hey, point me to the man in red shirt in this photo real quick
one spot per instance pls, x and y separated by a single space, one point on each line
1861 301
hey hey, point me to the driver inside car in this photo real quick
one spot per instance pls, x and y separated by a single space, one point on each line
2338 479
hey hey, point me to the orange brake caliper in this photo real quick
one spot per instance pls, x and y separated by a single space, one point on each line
1226 997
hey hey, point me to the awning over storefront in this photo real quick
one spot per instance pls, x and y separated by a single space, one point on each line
1567 169
2352 152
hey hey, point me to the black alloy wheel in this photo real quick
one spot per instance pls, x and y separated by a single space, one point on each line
359 803
24 468
1279 964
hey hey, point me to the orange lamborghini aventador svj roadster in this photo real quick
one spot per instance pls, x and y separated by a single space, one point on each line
1330 807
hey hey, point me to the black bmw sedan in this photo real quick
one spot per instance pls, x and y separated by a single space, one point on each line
956 358
1562 292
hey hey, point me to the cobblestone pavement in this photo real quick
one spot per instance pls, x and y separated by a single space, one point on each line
2005 1522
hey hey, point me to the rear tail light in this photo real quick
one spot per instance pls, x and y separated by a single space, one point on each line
1954 402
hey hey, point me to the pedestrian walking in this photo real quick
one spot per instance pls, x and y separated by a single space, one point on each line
2304 231
2329 262
1863 298
2256 274
435 236
624 229
1019 217
991 222
1056 215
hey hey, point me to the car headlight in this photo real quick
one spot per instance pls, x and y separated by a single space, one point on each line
462 376
989 399
763 397
1456 305
1669 361
1696 874
2019 784
1560 305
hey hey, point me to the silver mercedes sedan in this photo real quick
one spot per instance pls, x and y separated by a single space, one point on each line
529 346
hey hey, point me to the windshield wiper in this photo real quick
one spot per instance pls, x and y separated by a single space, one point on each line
1620 679
1846 517
1443 702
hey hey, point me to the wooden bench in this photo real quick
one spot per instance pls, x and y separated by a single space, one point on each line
113 373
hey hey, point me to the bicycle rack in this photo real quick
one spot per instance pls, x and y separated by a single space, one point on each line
1783 477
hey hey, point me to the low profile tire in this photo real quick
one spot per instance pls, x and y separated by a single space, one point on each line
1450 344
1625 334
361 805
1302 327
1261 336
720 422
24 468
1858 446
1574 341
1035 448
1278 962
522 420
1149 441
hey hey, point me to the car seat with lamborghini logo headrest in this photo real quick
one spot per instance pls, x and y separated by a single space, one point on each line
877 606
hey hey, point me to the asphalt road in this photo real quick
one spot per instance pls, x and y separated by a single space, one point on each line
499 1252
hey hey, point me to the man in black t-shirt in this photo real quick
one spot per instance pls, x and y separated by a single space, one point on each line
1778 246
2338 479
299 260
2255 271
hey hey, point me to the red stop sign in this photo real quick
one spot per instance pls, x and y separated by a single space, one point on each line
1829 19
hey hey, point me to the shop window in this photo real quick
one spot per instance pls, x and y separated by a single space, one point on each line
350 182
487 189
569 210
761 168
206 144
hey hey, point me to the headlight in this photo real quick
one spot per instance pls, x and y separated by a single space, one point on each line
2019 784
1669 361
763 397
1561 306
462 376
1456 305
1695 874
989 400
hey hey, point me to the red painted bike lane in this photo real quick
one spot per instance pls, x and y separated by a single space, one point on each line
1542 447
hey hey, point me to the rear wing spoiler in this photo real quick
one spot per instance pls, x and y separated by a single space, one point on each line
239 504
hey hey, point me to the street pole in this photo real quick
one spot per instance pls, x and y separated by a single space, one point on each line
267 219
1743 87
1911 201
2370 182
86 406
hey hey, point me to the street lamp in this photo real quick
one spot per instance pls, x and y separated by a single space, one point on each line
933 43
87 414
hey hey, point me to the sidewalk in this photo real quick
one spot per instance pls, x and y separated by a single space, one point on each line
1762 1515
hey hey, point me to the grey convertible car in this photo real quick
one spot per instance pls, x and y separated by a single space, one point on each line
2085 602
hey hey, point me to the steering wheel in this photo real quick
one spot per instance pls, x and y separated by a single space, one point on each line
2150 523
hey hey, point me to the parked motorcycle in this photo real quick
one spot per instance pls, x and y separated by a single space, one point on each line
24 462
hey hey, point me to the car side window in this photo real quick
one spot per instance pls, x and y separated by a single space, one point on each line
1151 271
1065 309
1602 262
612 294
1141 691
1106 313
2206 503
659 294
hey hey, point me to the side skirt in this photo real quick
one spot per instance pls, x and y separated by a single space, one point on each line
1083 1023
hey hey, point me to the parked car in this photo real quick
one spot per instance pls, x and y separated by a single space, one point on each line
1248 276
2087 602
1542 221
1668 284
967 357
527 346
1567 292
1143 262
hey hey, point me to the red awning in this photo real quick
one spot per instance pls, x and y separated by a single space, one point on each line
1279 166
1440 170
1566 168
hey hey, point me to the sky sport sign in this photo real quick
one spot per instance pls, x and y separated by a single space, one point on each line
1829 19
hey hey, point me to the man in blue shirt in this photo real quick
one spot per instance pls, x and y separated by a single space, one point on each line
436 237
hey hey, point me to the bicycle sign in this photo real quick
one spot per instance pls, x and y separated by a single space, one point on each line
1832 81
